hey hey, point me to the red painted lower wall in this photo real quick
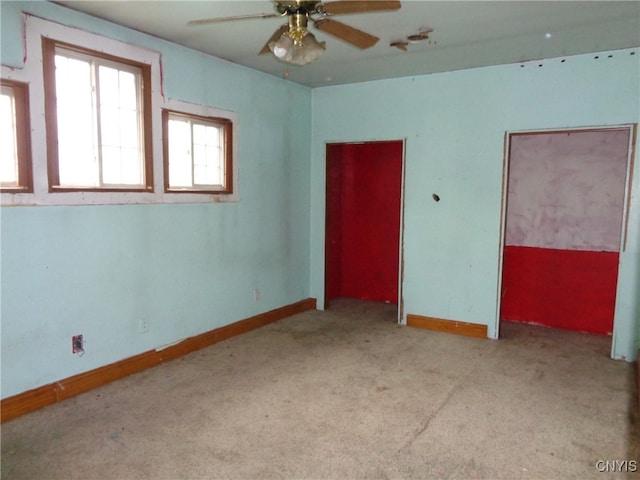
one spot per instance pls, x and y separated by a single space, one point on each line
568 289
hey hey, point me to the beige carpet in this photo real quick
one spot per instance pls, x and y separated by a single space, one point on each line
346 394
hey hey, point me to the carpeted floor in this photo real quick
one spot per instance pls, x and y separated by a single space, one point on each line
347 394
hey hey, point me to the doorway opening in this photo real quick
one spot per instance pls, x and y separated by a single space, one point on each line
363 219
564 227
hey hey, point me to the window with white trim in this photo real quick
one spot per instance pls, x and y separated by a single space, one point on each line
96 135
198 153
98 120
15 148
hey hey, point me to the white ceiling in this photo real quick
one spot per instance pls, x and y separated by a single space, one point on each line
466 34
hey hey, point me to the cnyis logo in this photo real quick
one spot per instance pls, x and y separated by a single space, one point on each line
617 466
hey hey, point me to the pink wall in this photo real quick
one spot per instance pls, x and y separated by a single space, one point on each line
566 190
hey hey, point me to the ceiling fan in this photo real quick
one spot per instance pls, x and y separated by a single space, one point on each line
293 43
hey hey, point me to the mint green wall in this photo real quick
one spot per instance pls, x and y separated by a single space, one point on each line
454 125
98 270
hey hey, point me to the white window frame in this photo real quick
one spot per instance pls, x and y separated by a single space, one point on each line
31 73
225 125
20 137
96 60
196 196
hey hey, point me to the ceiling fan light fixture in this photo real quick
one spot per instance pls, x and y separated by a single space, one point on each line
282 48
292 42
306 50
311 49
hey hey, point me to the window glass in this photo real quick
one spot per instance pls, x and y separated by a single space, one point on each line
8 146
15 144
198 153
98 122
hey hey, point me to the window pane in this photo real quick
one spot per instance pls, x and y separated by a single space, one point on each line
132 171
180 154
118 88
128 91
206 162
111 165
199 134
98 119
76 137
122 162
119 127
129 131
206 155
196 153
8 146
110 125
109 92
213 136
121 166
199 164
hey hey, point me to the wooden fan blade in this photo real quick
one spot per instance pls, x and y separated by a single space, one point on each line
276 35
346 33
228 19
358 6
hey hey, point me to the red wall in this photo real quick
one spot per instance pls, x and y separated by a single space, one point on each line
569 289
364 184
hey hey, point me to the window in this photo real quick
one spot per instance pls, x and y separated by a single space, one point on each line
197 153
96 127
15 148
98 120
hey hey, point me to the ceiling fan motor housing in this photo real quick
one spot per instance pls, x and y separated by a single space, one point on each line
292 7
297 28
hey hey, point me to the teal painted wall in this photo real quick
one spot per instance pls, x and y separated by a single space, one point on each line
97 270
186 268
454 125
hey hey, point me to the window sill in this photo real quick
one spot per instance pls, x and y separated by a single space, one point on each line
112 198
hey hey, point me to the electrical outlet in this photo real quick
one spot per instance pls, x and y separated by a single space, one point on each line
77 344
143 326
256 294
